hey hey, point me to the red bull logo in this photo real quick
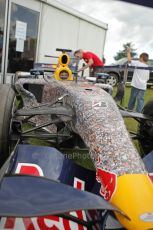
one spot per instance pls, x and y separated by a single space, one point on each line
151 176
108 182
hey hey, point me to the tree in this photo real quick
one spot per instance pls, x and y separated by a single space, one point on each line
123 53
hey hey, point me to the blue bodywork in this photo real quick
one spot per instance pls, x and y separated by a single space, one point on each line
52 192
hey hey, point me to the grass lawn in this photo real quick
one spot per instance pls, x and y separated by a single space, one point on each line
132 124
148 95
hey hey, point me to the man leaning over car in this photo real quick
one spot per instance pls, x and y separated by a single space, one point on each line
93 62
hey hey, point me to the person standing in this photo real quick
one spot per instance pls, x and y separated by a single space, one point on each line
93 62
139 81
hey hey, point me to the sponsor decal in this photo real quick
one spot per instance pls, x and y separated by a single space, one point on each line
30 169
151 176
98 104
147 217
47 222
108 181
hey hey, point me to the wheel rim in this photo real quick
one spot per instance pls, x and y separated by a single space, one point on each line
112 80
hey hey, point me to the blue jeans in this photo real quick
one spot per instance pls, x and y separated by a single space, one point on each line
139 95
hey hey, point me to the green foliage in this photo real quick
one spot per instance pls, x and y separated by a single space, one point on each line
123 53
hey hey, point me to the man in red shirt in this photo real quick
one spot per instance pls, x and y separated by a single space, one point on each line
92 60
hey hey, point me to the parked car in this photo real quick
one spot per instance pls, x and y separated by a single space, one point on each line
116 72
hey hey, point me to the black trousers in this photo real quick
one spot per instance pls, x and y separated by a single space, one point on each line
94 71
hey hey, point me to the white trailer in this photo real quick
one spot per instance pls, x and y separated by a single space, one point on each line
32 29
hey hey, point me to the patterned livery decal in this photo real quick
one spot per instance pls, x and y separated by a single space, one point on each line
98 121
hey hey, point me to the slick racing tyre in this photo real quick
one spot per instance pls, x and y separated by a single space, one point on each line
146 130
7 102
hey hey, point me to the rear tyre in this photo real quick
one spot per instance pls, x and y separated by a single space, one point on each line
113 79
7 96
146 130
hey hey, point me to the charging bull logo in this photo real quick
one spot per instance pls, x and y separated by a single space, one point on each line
108 182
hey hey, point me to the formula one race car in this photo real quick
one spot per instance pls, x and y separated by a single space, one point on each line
37 182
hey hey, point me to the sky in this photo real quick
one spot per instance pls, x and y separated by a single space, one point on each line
126 23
